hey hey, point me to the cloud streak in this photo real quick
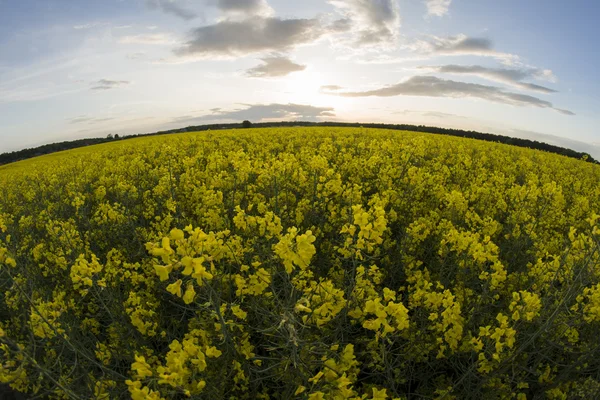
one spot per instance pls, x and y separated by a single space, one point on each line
437 46
245 7
461 45
148 38
276 66
431 86
331 88
261 112
171 7
107 84
432 114
89 120
512 77
90 25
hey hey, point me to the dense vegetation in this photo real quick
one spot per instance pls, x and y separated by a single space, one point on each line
309 263
6 158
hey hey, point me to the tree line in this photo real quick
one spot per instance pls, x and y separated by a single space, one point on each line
6 158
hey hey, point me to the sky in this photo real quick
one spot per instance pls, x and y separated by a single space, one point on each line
72 69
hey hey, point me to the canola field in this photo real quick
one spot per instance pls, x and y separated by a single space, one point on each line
309 263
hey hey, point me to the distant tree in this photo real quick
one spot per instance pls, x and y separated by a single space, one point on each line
246 124
117 136
110 136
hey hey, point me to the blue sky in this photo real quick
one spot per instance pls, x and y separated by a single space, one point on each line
72 69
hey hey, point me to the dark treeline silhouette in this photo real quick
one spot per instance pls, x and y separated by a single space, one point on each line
6 158
24 154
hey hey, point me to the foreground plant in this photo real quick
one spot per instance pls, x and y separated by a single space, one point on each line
309 263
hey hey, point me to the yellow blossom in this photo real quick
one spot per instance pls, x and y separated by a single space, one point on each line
175 288
189 294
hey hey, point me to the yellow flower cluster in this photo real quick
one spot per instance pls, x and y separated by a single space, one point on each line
591 309
295 250
44 317
322 301
254 284
525 305
82 273
336 378
12 370
503 339
365 234
6 259
141 313
396 312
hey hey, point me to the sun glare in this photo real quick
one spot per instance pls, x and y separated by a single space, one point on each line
305 88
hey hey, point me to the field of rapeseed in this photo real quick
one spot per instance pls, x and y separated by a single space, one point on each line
324 263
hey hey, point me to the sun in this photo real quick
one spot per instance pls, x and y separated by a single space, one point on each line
305 88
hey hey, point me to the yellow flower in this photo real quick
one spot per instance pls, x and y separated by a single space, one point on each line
200 272
388 294
141 367
305 248
175 288
379 394
187 262
238 312
163 272
300 390
190 294
316 378
177 234
213 352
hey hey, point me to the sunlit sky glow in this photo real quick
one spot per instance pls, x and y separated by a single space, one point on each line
72 69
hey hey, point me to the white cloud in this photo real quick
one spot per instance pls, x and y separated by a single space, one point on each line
512 77
239 38
249 27
136 56
461 45
172 7
262 112
439 8
245 8
107 84
373 21
438 46
149 38
545 75
435 87
85 119
275 66
90 25
331 88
